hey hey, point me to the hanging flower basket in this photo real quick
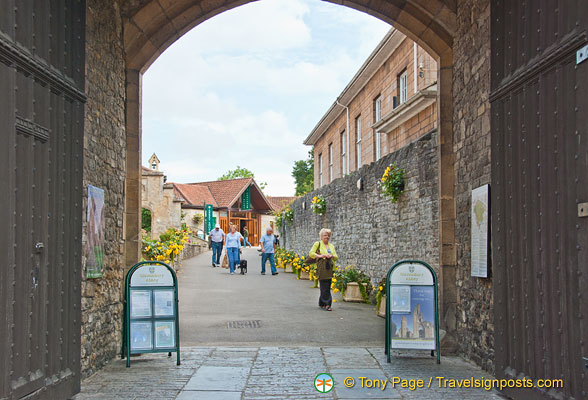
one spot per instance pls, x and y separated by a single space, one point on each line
392 182
319 205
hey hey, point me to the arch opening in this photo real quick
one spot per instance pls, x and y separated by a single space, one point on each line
150 27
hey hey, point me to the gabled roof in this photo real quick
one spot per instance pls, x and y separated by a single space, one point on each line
227 192
221 194
194 194
279 202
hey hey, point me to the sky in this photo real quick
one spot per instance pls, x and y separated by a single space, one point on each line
246 88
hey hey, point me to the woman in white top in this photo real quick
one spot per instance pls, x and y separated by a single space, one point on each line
233 245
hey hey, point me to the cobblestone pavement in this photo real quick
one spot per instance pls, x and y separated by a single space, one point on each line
213 373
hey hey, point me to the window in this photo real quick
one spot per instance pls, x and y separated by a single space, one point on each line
402 91
378 109
358 142
320 165
331 162
377 117
343 153
378 148
154 165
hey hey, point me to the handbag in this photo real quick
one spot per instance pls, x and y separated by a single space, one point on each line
309 260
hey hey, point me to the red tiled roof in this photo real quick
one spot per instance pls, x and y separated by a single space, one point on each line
279 202
226 192
195 194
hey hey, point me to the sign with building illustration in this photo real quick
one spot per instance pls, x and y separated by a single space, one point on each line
246 199
412 320
151 310
95 225
479 236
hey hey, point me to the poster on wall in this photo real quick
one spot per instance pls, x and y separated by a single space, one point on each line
414 329
479 245
95 225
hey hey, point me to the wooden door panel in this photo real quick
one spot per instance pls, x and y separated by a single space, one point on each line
41 120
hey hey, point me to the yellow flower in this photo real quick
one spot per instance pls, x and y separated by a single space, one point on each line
147 248
381 288
334 279
335 291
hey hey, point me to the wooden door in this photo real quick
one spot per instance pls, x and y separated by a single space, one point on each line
539 107
41 123
251 229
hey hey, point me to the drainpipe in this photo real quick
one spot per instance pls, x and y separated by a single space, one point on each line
414 65
347 134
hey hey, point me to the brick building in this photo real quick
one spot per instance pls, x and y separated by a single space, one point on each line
390 102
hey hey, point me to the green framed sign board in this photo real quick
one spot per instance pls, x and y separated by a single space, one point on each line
412 310
246 199
208 217
151 321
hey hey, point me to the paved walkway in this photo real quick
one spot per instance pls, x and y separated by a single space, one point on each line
286 308
214 373
279 355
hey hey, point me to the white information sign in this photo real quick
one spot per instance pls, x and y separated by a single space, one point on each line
163 303
479 245
141 336
140 303
411 274
152 275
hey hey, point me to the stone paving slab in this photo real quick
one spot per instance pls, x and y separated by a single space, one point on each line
263 373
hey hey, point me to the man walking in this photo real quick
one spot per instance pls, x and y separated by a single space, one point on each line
246 237
268 248
217 237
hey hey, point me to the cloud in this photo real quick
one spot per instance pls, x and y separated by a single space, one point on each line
246 87
257 27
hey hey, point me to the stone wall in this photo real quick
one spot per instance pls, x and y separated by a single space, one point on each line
471 89
104 167
370 231
159 197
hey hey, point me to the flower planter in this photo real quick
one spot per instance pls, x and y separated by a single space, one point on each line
288 268
382 309
352 293
304 275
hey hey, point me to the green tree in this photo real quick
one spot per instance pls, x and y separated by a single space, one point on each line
303 174
146 219
240 172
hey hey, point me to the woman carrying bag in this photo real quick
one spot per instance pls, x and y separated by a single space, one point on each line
324 254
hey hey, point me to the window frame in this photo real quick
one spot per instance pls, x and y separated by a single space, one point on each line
343 153
331 162
358 129
320 168
402 88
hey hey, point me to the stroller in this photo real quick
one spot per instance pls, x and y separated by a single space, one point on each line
243 267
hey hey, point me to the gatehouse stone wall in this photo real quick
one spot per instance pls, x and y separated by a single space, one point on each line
104 167
471 121
369 231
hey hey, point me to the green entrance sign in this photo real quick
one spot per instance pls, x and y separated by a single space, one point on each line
151 322
412 312
246 199
208 217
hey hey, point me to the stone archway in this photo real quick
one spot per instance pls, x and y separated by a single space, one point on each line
151 26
